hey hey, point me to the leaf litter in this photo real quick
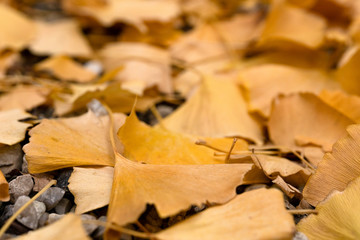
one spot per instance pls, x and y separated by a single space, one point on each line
176 119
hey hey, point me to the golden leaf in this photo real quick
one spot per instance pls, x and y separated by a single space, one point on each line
294 118
338 216
263 83
60 38
143 143
91 187
258 214
172 188
65 69
68 227
12 131
4 188
69 142
336 169
217 109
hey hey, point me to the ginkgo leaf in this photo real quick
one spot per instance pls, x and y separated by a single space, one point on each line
348 72
65 69
145 66
4 188
291 172
69 142
118 99
68 227
91 187
172 188
258 214
287 25
211 40
217 109
34 95
338 216
62 37
134 12
147 144
337 168
295 117
347 104
11 130
11 22
264 82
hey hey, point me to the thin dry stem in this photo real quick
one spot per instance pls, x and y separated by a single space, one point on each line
231 148
302 211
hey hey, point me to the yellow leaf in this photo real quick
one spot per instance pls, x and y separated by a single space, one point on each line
91 187
290 26
68 227
65 69
4 188
12 131
258 214
143 143
303 119
17 31
263 83
217 109
69 142
337 168
338 216
172 188
62 37
145 66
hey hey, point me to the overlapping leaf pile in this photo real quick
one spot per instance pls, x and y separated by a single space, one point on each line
262 94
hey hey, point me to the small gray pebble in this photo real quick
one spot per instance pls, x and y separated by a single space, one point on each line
43 219
31 215
51 197
101 229
89 228
164 110
300 236
22 185
53 217
97 108
7 213
63 206
10 158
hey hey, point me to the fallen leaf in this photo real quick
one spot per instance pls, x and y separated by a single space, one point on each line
147 144
263 83
294 118
12 131
338 216
172 188
91 187
4 188
14 99
217 109
11 22
336 169
7 60
258 214
347 104
134 12
65 69
69 142
288 26
68 227
220 38
62 37
144 65
348 72
118 99
291 172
